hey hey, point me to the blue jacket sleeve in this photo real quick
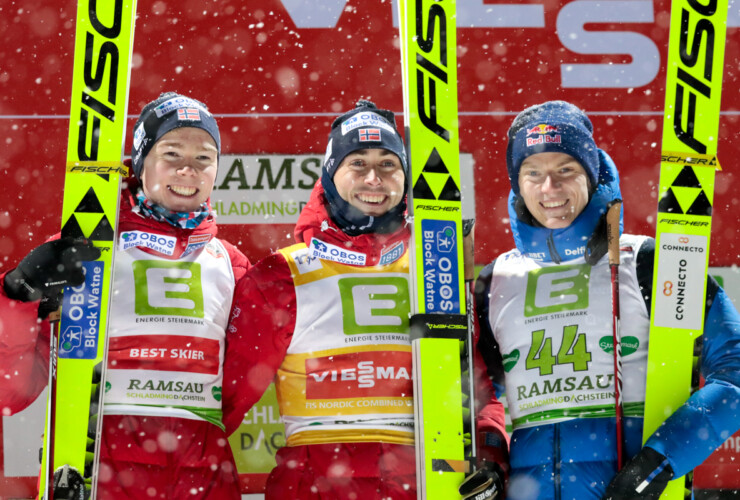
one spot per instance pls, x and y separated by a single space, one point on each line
712 414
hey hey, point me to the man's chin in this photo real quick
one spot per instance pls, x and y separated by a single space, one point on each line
371 211
180 208
557 223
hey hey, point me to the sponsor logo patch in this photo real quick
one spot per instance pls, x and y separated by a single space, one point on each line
367 119
166 288
441 293
629 344
359 375
542 128
175 353
305 262
215 250
81 315
196 242
139 135
374 304
543 134
158 242
176 103
681 280
392 254
557 289
327 251
510 360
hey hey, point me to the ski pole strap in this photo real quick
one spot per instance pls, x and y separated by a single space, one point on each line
439 326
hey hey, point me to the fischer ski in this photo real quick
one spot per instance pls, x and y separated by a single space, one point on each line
439 324
97 128
686 192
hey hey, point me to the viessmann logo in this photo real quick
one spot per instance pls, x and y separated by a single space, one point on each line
357 375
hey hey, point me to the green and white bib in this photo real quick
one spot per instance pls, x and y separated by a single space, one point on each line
167 333
553 325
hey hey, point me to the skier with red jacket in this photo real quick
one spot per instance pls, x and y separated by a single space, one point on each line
172 289
328 321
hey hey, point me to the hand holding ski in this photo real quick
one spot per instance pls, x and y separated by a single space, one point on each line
487 483
645 476
48 268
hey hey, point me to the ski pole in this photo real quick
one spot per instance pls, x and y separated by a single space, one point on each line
612 231
54 342
469 265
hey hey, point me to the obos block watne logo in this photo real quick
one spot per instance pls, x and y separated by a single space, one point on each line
441 291
81 315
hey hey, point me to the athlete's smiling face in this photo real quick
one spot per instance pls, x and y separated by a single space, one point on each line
371 180
180 169
554 187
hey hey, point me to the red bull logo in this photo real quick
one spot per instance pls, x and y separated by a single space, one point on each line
542 134
541 129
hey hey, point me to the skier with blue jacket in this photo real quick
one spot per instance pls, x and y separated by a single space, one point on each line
546 328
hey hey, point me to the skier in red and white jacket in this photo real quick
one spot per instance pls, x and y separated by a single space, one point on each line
328 322
172 291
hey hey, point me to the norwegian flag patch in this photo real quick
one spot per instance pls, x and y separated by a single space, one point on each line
191 114
370 135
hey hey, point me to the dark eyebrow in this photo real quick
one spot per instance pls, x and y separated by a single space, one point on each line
563 162
570 160
179 144
359 152
366 151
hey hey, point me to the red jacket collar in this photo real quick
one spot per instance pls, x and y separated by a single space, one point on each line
314 222
188 240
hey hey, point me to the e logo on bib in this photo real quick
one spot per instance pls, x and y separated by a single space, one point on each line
375 304
556 289
168 288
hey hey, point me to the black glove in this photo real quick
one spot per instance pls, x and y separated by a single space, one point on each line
647 463
69 484
486 483
48 268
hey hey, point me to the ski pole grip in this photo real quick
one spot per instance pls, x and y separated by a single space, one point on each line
439 326
612 231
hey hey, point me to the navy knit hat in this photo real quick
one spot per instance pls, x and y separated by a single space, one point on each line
554 126
168 112
364 127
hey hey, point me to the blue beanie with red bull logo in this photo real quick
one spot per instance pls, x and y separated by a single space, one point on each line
554 126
